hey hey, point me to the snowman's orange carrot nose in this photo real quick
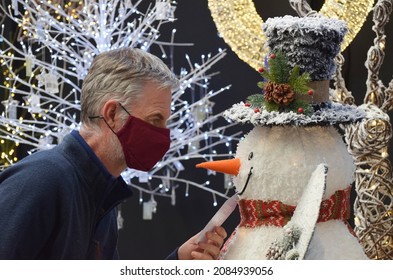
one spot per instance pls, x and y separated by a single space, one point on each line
228 166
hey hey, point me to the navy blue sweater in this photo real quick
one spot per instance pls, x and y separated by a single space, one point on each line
60 204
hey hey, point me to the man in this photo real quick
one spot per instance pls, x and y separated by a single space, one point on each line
60 203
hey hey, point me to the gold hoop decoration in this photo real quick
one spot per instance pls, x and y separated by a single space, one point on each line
240 25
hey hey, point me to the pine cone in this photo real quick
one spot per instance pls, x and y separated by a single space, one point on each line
281 94
275 251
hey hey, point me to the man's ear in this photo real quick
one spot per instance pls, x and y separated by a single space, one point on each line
109 113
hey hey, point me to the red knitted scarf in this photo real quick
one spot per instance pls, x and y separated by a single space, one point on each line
255 213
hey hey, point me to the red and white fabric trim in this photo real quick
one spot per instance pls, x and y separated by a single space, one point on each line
255 213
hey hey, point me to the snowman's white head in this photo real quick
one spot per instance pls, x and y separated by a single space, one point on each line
275 163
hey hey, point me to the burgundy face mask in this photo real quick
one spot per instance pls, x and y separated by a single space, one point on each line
143 144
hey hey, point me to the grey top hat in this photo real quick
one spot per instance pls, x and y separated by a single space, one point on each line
304 50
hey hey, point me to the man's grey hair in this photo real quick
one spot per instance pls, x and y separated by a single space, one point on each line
121 75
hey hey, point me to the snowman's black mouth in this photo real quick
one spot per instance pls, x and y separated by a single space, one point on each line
248 179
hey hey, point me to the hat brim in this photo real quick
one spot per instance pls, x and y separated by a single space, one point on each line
333 114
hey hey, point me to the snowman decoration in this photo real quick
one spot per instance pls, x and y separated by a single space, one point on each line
293 172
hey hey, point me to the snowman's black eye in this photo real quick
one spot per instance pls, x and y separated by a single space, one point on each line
250 155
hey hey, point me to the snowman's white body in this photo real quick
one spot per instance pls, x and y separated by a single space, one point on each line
283 160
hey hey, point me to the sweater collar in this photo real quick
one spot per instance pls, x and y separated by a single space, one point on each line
93 157
108 190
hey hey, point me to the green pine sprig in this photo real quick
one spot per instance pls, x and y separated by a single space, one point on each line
280 72
257 100
278 68
300 83
296 104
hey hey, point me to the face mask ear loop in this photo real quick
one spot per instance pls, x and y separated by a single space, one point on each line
124 109
102 118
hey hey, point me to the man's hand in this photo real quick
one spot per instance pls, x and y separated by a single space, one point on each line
206 250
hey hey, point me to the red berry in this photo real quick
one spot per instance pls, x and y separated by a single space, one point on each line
247 104
256 110
260 70
310 92
272 56
300 110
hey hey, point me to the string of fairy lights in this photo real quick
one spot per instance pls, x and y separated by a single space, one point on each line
43 69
